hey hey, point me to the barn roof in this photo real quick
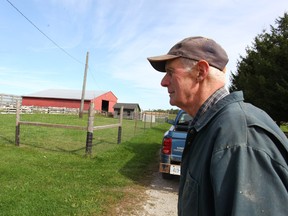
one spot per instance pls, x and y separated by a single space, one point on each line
127 106
65 94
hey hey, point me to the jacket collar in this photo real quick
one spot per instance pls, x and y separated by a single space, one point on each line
210 113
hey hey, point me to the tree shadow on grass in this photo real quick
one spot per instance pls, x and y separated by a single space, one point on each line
145 163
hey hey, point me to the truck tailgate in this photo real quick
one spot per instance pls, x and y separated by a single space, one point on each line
177 145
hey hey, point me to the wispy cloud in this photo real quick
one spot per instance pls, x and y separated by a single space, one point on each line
22 81
119 35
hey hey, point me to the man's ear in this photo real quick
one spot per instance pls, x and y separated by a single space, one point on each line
203 70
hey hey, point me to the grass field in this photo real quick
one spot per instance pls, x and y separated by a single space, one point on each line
49 173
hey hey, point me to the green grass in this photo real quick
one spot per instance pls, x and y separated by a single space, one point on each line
49 174
72 140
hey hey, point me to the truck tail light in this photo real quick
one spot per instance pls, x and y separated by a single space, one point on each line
167 144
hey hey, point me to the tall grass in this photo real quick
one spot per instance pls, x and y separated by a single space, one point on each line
49 175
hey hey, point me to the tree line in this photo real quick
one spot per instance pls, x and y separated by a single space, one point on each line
262 74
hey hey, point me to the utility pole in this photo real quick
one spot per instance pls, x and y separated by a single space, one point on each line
84 87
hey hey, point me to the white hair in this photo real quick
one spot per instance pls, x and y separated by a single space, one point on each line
217 75
214 73
188 64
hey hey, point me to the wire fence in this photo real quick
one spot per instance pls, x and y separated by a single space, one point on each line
40 132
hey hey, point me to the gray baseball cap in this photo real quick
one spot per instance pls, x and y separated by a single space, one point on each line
195 48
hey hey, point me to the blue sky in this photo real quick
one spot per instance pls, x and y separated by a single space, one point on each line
119 35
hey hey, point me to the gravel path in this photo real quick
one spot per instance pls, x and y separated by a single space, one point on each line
162 196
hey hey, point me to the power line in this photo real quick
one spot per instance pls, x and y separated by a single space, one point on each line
89 68
44 33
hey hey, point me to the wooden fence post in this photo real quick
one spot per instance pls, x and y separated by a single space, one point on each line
17 134
144 121
136 119
120 126
90 129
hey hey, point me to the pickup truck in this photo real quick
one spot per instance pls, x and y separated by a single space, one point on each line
173 144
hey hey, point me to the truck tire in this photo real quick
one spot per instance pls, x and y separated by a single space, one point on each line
167 176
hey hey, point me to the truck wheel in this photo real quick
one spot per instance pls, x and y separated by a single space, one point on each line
167 176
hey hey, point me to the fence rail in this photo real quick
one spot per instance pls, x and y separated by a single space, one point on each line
11 109
52 125
106 126
7 100
90 128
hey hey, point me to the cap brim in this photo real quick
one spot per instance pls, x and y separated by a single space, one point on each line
159 62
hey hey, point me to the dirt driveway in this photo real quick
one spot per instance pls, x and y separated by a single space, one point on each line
158 198
162 196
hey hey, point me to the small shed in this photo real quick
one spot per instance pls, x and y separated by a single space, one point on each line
130 110
103 100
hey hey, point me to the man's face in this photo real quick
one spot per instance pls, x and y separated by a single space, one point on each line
181 84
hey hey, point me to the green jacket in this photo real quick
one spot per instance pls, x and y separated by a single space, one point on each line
234 163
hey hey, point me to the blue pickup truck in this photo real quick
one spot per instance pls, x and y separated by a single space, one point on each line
173 144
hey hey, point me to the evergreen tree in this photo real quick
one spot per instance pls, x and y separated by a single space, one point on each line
263 74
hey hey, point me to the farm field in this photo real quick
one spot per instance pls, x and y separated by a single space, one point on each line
49 173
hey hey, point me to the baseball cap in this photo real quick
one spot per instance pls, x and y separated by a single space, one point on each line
195 48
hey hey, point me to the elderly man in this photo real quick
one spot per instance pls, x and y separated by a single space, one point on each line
235 156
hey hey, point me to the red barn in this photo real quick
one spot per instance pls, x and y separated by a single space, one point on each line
103 101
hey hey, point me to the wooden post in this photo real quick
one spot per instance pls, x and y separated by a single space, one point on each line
144 121
17 134
90 127
136 119
84 87
120 126
157 117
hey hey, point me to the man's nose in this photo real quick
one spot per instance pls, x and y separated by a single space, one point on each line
165 81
